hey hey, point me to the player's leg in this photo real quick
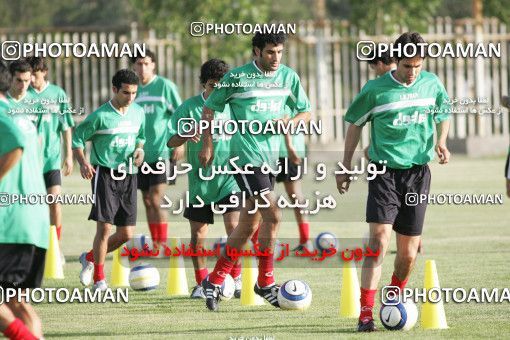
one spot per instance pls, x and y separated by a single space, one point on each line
199 232
55 209
231 220
159 217
99 250
13 327
26 313
294 191
407 250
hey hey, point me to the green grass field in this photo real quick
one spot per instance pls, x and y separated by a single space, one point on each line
470 245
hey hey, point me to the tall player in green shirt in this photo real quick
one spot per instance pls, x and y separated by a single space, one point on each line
220 188
55 121
270 86
24 231
116 131
159 98
398 105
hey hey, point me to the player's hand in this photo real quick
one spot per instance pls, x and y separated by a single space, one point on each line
138 156
342 183
178 153
87 171
205 156
442 153
67 167
508 187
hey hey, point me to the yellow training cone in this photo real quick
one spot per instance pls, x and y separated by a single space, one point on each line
120 270
249 273
176 283
432 314
53 267
349 293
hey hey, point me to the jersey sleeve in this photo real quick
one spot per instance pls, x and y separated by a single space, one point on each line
360 110
298 100
140 138
85 131
443 107
221 94
172 98
12 138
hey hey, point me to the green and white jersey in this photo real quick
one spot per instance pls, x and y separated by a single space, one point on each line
55 119
114 135
298 142
402 118
22 223
28 105
256 96
159 99
221 185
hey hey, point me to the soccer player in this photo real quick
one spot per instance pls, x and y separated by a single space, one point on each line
24 231
402 134
382 64
292 152
159 98
116 131
56 121
21 101
215 191
271 86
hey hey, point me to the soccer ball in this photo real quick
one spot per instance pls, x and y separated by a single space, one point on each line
227 288
138 241
295 295
400 316
222 242
144 277
325 241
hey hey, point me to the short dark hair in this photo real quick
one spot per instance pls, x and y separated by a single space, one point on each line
409 38
213 69
148 53
384 58
20 65
124 76
37 63
260 40
5 77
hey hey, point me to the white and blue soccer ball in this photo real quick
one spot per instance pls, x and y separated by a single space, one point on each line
227 289
138 241
295 295
144 277
326 240
403 315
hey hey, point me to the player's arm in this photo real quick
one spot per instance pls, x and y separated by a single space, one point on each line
442 119
205 156
291 151
139 154
9 160
351 142
82 133
67 167
442 151
173 103
86 169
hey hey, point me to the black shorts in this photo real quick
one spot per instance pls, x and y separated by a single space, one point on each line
291 174
255 183
206 215
21 265
52 178
114 200
391 198
145 181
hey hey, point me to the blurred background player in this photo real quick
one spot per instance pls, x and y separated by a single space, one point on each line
505 101
215 191
403 135
292 152
21 101
24 228
382 63
55 122
116 131
261 102
159 98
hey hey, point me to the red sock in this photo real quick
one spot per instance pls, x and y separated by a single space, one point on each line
90 256
163 232
266 269
367 303
59 231
200 275
221 269
236 270
255 236
98 272
395 281
18 331
304 232
154 229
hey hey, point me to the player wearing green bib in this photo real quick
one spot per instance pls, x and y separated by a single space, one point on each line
56 120
159 98
116 131
22 101
404 106
257 91
24 232
220 188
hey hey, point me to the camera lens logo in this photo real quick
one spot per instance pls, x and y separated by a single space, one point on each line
390 295
4 199
11 50
365 50
197 29
411 199
187 127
